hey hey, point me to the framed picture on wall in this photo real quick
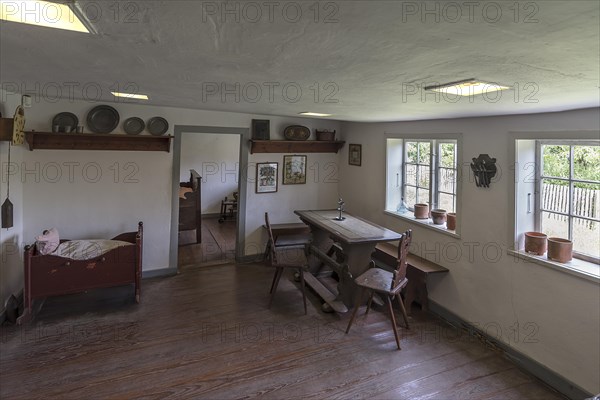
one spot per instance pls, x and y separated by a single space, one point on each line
354 154
294 170
266 177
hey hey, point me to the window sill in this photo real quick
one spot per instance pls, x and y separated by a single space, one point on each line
583 269
426 223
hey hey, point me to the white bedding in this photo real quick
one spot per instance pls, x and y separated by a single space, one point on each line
87 249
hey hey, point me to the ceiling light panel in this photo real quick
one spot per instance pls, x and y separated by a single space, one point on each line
44 13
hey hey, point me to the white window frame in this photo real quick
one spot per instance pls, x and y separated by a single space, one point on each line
571 180
396 171
517 198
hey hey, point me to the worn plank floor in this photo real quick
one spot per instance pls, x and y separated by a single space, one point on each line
218 244
206 333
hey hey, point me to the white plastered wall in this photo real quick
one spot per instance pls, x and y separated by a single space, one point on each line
556 315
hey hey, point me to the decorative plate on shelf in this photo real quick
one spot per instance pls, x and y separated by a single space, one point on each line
296 132
103 119
134 125
65 119
157 126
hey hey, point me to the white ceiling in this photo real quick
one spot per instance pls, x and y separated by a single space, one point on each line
369 59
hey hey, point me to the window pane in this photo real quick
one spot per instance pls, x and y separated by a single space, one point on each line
410 196
556 161
586 200
586 237
424 176
555 195
555 225
411 174
447 155
424 150
586 163
411 152
446 202
447 177
422 196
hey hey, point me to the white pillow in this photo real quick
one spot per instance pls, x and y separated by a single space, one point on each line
47 242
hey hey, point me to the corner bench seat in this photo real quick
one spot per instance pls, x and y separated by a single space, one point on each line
417 270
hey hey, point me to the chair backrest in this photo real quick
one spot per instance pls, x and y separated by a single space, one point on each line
273 254
400 272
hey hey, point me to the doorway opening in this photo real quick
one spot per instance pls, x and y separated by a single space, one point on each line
208 218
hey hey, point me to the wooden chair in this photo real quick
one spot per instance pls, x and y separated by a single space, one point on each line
386 283
281 264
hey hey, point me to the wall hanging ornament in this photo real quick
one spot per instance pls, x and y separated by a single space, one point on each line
18 136
484 169
7 206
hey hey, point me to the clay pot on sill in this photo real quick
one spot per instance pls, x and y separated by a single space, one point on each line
421 211
560 250
536 243
438 216
451 221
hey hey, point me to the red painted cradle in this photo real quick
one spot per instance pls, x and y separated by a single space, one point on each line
50 275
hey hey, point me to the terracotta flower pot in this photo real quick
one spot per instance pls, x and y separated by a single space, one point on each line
451 221
536 243
560 250
421 211
438 216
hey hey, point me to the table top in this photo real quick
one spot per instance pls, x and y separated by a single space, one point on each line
351 230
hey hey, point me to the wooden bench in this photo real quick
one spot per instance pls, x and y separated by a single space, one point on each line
288 235
417 270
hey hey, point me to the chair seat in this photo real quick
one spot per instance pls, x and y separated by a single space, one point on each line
292 240
379 280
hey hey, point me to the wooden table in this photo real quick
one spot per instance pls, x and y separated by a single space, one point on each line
346 247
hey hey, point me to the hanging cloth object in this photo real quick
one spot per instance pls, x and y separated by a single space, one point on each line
7 206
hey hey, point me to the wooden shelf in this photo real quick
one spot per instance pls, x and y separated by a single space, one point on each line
295 146
94 141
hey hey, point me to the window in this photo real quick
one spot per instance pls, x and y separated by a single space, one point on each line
568 184
421 171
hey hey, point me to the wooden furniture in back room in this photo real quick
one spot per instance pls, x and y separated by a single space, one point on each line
190 205
229 208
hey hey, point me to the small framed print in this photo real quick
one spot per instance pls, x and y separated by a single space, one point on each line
354 154
294 170
266 177
261 129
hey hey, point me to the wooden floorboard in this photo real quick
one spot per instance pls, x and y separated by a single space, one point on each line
217 247
206 333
